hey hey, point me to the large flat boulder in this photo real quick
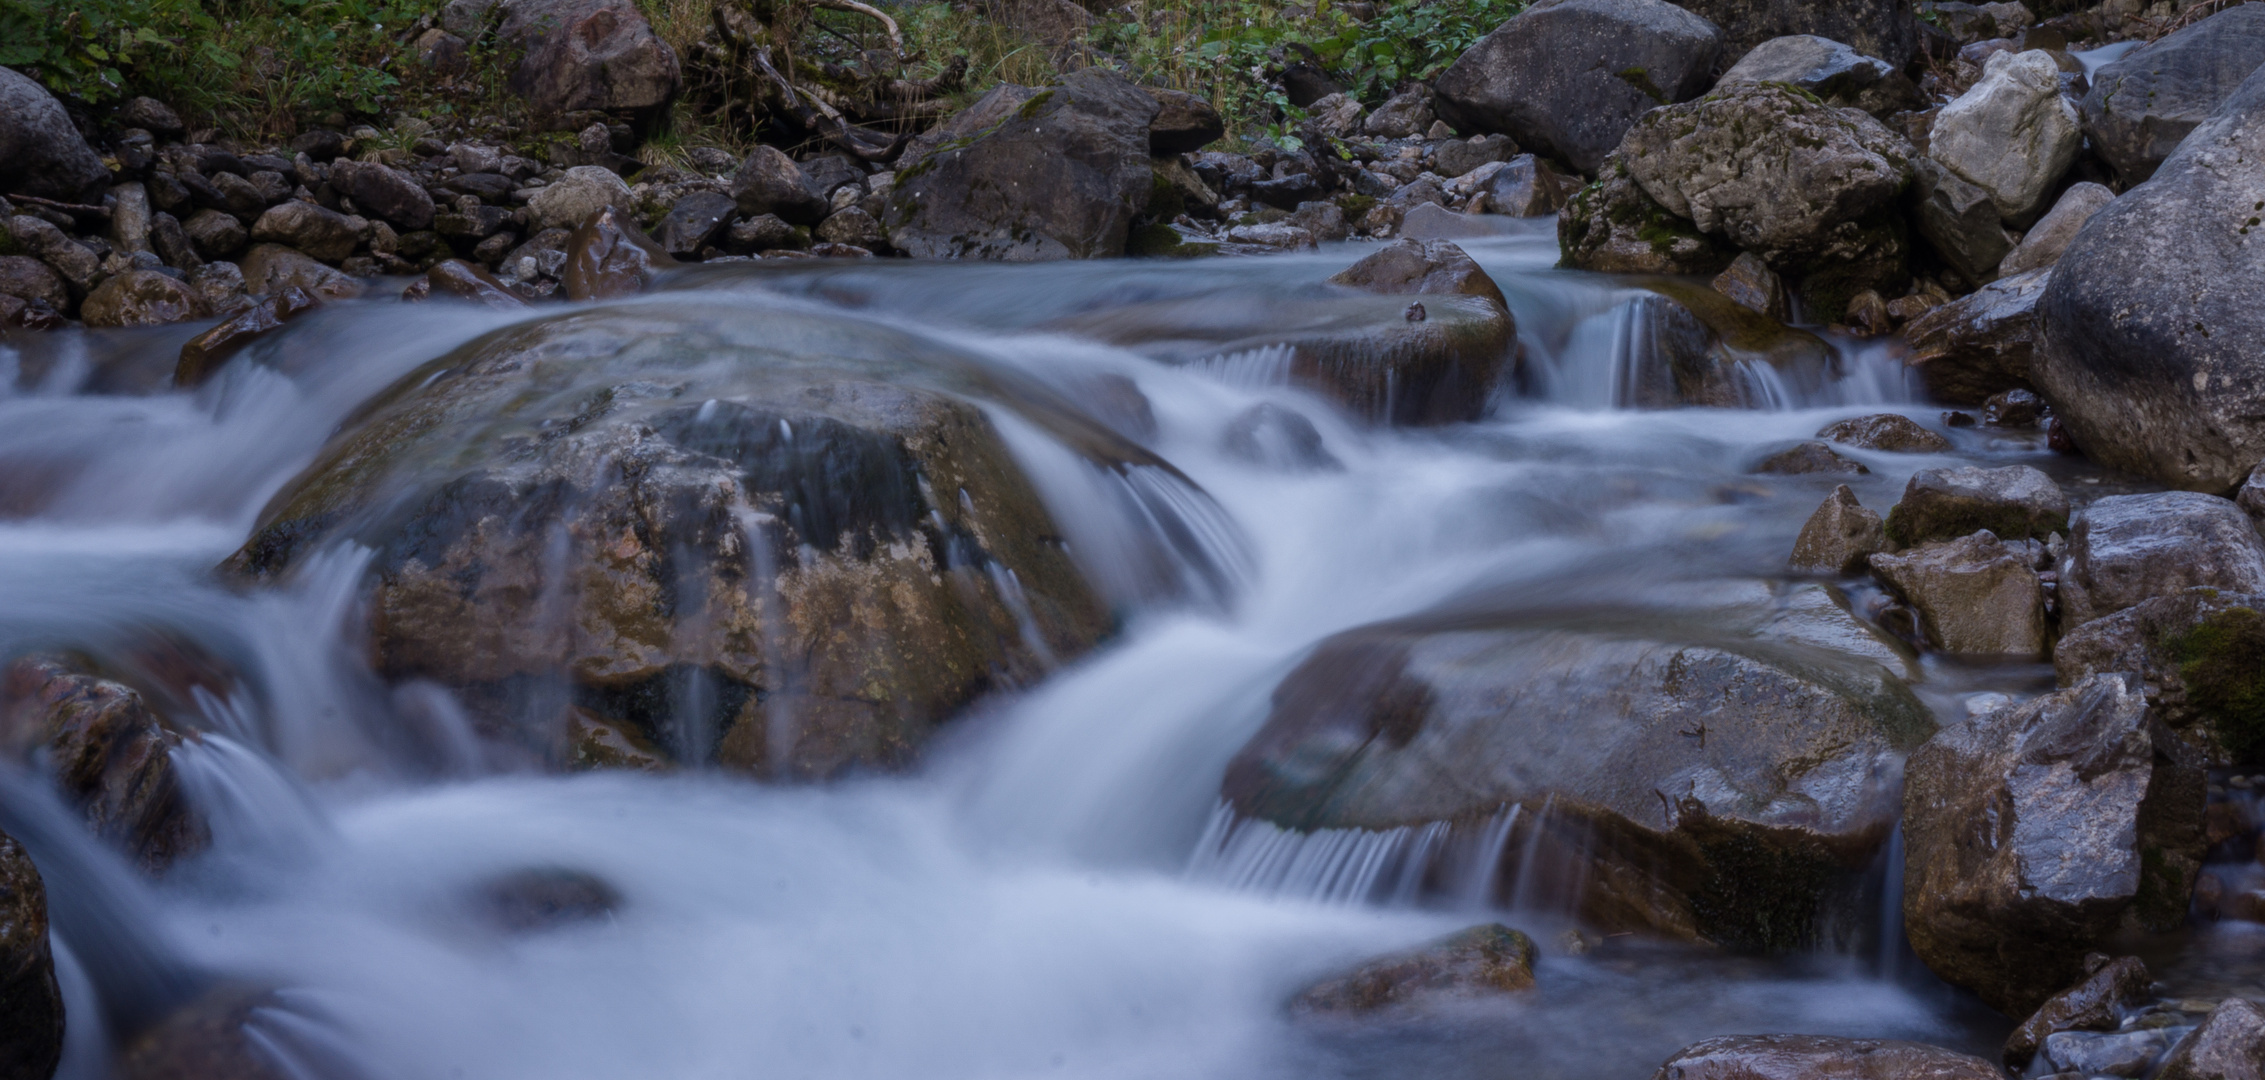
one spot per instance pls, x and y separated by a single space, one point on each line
2124 549
2033 833
1567 79
2152 331
2142 104
41 153
1057 174
789 545
1700 773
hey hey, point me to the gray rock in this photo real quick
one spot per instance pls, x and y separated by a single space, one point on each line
172 242
1882 28
220 283
1404 724
215 235
697 220
2015 502
385 192
2198 652
1526 187
1184 124
1269 435
2013 134
1612 227
2141 105
766 232
2230 1045
1403 115
41 153
107 753
1324 220
1567 79
1483 960
589 54
324 234
852 226
2091 1053
1960 222
2032 833
1830 70
1840 537
1981 344
129 217
2152 332
569 201
1805 458
2053 232
1768 170
1884 431
26 278
2251 497
2098 1003
31 1002
2126 548
1974 596
77 264
151 115
1337 116
1456 157
1814 1057
1059 176
827 174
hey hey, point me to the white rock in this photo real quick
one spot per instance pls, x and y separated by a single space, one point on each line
2012 135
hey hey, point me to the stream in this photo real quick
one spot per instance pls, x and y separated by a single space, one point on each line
1052 891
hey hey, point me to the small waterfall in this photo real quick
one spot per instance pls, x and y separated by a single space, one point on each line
1439 863
1251 369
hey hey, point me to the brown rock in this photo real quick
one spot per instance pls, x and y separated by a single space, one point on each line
269 269
609 257
1973 596
31 1004
141 298
385 192
1839 537
2201 653
1489 959
1415 266
2095 1004
1809 457
2016 502
1820 1057
2230 1045
1752 284
463 280
324 234
1885 431
30 279
205 1039
1981 344
2124 549
108 752
203 354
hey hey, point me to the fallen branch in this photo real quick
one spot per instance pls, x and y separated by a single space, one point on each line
73 209
896 40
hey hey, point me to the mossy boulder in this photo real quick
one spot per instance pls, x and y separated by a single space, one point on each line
1701 773
1612 227
2201 655
2016 502
790 544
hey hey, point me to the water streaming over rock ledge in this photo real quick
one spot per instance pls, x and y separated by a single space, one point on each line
1106 558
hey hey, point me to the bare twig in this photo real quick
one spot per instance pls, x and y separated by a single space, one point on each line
896 40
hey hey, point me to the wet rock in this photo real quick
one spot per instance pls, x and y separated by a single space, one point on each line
586 189
2016 502
2109 988
852 226
528 901
1060 176
1526 187
1568 79
1707 350
1184 124
107 752
215 235
1278 234
467 281
1702 787
1808 457
217 1036
269 269
1840 537
1960 222
220 283
324 234
607 257
2032 833
1973 595
172 242
2142 104
589 54
2152 331
696 221
2126 548
385 192
1489 959
1613 227
2043 246
1411 267
1404 115
2013 409
2201 655
761 551
2087 1053
2012 135
30 279
77 264
1459 156
41 153
31 1004
141 298
1982 344
1884 431
203 354
1269 435
1767 169
1813 1057
1750 283
1833 72
2230 1045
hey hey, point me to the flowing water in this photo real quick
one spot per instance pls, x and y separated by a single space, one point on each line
1053 892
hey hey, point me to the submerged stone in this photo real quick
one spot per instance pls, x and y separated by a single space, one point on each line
1489 959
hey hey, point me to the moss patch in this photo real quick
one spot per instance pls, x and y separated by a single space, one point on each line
2222 662
1762 889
